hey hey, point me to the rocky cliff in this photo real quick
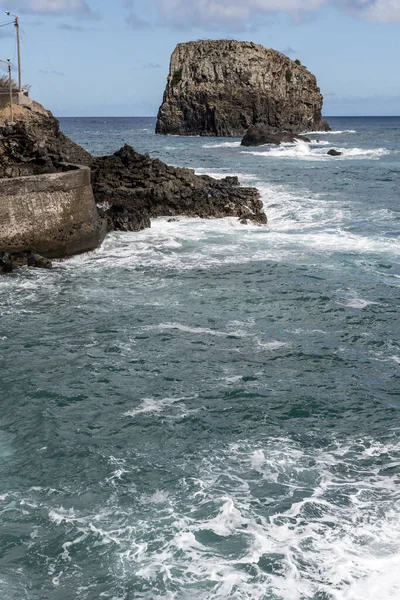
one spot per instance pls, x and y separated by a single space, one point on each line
34 143
223 87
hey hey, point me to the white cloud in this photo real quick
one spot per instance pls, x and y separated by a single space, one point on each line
244 14
50 7
384 11
239 13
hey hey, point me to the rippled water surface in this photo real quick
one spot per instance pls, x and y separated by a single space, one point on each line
207 410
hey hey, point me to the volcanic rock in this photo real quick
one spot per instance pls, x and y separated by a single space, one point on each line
6 265
261 134
223 87
334 152
131 188
38 261
35 145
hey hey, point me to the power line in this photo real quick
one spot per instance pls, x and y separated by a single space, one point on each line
8 23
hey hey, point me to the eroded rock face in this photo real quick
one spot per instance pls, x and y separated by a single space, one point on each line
223 87
35 145
131 188
258 135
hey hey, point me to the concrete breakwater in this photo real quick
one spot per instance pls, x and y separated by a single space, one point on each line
53 214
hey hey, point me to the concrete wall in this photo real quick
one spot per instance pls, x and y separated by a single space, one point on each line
5 99
21 99
54 215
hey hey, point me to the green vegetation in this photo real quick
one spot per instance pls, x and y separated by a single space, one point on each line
297 62
176 77
288 76
4 81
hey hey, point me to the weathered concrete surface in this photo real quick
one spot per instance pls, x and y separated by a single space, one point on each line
54 215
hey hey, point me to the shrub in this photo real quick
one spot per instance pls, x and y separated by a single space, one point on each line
288 76
176 77
297 62
5 83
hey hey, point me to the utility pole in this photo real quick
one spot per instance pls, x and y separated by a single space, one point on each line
18 49
10 86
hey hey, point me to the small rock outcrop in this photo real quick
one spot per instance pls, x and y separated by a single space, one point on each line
223 87
8 262
258 135
131 188
334 152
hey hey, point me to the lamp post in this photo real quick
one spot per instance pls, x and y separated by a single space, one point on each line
8 63
16 22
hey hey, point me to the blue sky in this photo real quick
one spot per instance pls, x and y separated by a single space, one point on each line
111 57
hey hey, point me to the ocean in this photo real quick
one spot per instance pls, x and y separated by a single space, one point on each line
209 410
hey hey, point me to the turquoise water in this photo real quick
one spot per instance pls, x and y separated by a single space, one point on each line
207 410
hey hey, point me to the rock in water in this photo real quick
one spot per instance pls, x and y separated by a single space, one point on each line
131 188
6 265
223 87
38 261
259 135
334 152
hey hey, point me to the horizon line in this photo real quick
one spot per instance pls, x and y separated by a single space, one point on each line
155 116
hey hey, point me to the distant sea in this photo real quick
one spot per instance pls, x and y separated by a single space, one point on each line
207 410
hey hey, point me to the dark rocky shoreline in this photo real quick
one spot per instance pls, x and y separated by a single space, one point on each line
129 188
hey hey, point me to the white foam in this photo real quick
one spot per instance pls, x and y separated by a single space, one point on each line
336 132
257 459
301 227
346 548
159 497
351 299
272 345
223 145
320 142
152 405
357 303
195 330
331 528
304 151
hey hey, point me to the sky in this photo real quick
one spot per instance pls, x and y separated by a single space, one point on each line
111 57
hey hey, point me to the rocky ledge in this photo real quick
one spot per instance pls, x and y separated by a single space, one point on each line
258 135
129 188
223 87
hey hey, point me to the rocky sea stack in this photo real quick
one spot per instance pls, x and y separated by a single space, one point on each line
223 87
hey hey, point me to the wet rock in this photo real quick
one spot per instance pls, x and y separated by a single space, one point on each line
334 152
131 188
38 261
6 264
261 134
